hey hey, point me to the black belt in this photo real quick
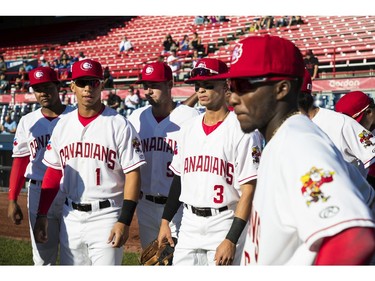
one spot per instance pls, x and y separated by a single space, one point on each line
205 212
157 199
35 182
88 207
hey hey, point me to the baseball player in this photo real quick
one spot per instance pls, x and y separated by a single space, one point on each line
30 142
96 154
306 194
157 125
354 141
215 167
361 107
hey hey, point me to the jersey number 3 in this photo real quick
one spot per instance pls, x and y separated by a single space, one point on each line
219 198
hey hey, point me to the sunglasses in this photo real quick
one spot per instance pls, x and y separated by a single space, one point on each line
154 85
200 71
243 85
43 88
94 83
203 85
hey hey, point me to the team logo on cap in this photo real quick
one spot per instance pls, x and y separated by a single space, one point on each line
86 66
149 70
38 74
237 53
202 65
312 182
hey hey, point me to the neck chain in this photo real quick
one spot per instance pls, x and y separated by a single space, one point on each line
286 117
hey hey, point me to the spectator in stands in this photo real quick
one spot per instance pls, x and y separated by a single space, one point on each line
267 22
254 26
4 83
223 19
113 100
22 80
282 21
184 44
198 20
9 126
195 58
174 63
167 43
196 42
3 65
108 79
131 100
43 62
312 64
125 45
80 56
64 55
294 20
64 71
161 58
27 66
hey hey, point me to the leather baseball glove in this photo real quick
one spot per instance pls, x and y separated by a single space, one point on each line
153 255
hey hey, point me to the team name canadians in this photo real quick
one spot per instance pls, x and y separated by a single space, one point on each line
38 143
88 150
159 144
209 164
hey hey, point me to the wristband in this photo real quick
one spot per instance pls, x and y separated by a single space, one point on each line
127 212
235 230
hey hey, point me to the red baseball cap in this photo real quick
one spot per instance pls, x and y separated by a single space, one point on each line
353 104
307 83
206 68
42 74
265 56
87 68
156 72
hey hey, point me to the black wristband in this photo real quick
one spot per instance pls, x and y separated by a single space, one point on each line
235 230
127 212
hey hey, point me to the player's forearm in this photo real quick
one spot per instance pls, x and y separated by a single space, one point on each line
242 212
49 190
131 195
244 205
132 185
173 202
17 178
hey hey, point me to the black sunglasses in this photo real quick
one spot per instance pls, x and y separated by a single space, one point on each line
242 85
204 86
200 71
94 83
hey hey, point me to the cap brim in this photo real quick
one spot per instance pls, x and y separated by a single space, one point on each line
203 78
152 81
359 117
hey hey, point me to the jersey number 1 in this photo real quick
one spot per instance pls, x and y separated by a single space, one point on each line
97 171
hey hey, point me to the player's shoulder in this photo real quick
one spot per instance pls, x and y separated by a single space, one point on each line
187 109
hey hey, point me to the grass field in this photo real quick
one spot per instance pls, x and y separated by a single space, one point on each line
18 252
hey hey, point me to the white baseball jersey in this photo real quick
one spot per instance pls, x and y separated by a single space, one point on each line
356 144
94 157
212 167
305 192
159 141
31 139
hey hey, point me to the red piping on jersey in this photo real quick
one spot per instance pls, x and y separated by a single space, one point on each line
245 180
338 224
136 164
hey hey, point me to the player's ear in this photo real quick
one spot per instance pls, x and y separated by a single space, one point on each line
282 88
72 86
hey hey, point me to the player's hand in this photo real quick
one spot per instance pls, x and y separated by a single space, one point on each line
40 229
15 212
119 235
225 253
165 234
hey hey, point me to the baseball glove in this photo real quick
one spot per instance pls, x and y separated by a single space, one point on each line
153 255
